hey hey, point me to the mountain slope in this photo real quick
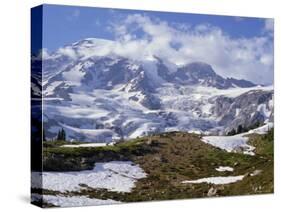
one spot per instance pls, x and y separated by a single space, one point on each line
102 97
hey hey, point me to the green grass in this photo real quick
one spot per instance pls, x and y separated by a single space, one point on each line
58 158
264 143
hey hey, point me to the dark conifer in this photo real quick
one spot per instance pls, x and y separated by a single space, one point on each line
59 135
63 135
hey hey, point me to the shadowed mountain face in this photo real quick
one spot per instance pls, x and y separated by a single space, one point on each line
100 98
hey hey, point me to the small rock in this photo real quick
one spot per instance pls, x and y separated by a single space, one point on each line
236 164
157 158
212 192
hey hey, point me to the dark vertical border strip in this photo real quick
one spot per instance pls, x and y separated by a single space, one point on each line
36 105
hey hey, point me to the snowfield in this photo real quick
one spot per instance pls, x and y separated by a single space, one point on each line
263 129
236 143
119 176
232 92
103 115
216 180
63 201
233 143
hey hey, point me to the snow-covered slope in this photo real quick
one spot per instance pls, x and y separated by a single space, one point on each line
238 142
119 176
99 96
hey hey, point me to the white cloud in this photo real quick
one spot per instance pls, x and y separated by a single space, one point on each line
140 37
269 27
44 54
67 51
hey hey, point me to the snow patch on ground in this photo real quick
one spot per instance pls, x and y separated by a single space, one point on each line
224 168
216 180
105 135
233 143
119 176
263 129
237 143
198 132
62 201
89 145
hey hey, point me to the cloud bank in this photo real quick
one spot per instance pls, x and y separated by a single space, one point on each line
141 37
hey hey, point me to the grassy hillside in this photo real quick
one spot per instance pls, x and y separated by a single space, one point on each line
168 159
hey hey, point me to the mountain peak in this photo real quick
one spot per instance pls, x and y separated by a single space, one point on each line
199 64
202 73
94 56
200 68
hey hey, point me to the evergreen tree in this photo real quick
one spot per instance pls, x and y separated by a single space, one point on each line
239 129
59 135
63 136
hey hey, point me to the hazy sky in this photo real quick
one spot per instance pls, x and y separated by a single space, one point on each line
235 46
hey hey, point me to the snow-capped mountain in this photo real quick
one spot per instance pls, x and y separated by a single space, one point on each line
98 96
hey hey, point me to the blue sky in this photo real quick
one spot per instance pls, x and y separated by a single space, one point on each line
239 47
67 24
